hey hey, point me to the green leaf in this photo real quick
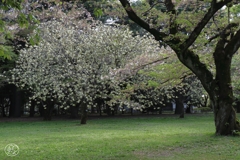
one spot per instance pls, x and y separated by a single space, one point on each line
2 26
98 12
22 20
34 39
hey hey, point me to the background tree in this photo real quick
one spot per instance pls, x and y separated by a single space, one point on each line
72 66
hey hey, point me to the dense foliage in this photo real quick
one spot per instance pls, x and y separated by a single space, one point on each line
70 66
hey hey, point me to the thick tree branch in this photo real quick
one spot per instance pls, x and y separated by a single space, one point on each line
197 30
133 16
192 61
234 43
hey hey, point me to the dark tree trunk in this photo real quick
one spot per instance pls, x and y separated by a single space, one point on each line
3 111
41 110
16 102
179 108
3 106
99 107
83 112
47 112
74 111
100 110
222 94
32 108
188 110
108 109
160 110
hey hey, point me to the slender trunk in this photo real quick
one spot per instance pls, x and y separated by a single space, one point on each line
16 102
74 111
83 112
3 112
108 109
47 112
179 108
32 108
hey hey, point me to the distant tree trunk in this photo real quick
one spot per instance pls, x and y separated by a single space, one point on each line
188 110
16 102
100 110
179 108
3 112
32 108
74 111
160 110
41 110
47 112
108 109
83 107
3 107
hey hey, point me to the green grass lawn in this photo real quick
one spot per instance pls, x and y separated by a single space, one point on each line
133 138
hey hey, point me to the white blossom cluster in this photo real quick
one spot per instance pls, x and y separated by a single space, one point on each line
70 64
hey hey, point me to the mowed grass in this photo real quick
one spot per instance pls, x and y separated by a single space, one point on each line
128 138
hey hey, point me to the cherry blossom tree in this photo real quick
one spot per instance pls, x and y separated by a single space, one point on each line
72 66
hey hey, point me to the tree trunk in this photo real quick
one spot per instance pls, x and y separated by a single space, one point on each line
222 94
47 112
83 112
74 111
108 109
16 102
225 117
32 108
179 109
3 111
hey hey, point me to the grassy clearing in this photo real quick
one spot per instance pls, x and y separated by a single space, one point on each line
120 138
